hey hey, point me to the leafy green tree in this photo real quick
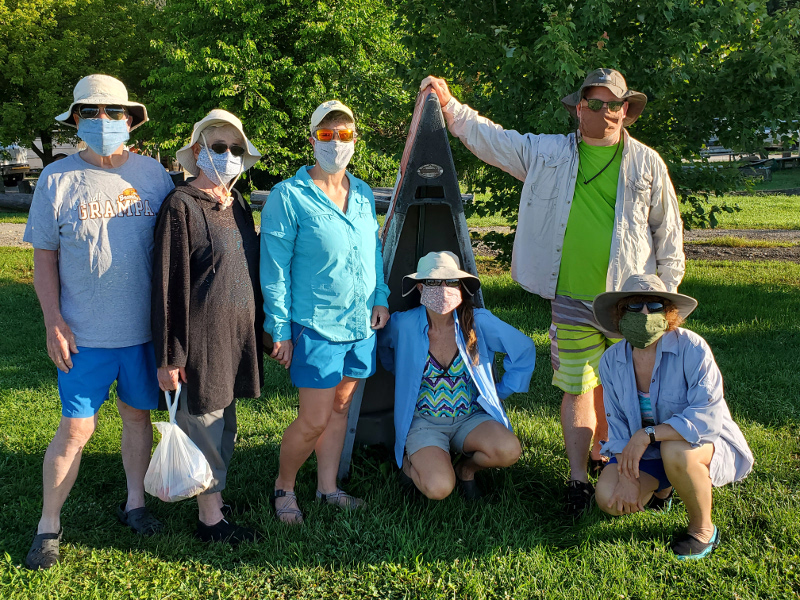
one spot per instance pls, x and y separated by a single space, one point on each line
47 46
724 68
272 63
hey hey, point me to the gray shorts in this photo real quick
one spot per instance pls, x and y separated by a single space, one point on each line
447 433
214 433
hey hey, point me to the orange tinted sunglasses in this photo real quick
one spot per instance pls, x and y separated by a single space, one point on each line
343 135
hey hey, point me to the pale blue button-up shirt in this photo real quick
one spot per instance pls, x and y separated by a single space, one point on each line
403 349
686 393
320 267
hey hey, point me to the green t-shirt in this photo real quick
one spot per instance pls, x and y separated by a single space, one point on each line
587 240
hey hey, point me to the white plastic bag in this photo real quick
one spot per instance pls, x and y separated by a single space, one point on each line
178 469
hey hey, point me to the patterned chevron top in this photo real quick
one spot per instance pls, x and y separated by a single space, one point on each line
447 392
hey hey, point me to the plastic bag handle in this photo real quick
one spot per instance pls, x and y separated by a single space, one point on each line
172 407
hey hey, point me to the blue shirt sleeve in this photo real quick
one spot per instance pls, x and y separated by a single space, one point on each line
701 421
278 234
381 289
386 344
618 428
519 350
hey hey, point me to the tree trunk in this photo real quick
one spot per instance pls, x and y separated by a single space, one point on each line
46 153
20 202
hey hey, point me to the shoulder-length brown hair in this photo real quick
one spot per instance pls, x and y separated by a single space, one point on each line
466 317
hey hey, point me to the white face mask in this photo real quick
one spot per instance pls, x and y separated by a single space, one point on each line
333 156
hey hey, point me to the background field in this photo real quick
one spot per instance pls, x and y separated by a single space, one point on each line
518 544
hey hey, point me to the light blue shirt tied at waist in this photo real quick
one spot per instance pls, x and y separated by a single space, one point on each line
403 347
320 267
685 392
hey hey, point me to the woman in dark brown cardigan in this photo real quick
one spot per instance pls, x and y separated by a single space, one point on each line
206 305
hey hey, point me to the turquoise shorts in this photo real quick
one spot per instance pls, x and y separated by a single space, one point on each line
321 364
84 389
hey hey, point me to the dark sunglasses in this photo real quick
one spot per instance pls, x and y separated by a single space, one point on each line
220 148
653 307
92 111
343 135
454 283
596 105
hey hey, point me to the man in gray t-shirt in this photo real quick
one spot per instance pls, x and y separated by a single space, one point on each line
91 225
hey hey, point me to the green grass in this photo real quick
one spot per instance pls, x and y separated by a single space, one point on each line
781 180
729 241
10 216
761 212
517 545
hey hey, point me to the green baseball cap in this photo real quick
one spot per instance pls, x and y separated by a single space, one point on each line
615 83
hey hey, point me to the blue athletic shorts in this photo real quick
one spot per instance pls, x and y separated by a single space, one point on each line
320 364
653 467
84 389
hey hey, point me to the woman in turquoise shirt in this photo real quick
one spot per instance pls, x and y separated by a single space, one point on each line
445 396
324 298
668 422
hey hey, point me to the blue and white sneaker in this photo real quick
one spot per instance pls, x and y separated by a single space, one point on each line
689 547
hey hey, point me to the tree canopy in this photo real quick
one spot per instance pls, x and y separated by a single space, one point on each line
46 46
272 63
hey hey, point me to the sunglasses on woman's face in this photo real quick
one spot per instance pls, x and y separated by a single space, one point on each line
92 111
220 148
653 307
454 283
596 105
343 135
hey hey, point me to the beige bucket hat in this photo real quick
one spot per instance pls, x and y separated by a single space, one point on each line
605 304
216 118
324 109
615 82
103 89
440 265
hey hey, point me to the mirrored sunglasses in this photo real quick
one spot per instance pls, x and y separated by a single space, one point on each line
438 282
92 111
653 307
343 135
220 148
597 105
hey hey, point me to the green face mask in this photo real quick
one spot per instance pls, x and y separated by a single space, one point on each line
641 329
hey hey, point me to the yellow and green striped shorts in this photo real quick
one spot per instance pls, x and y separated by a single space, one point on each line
577 342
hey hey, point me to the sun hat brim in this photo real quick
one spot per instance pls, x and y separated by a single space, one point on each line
215 118
136 110
471 283
605 304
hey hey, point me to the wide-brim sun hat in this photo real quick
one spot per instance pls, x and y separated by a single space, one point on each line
324 109
216 118
440 265
604 305
615 82
106 90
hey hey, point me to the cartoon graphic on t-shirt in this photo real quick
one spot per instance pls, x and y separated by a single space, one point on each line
128 204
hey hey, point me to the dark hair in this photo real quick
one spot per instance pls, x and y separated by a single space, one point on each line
674 319
466 316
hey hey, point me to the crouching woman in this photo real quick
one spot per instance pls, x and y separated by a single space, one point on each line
668 424
445 396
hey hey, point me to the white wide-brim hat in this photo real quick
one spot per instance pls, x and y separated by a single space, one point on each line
440 265
326 108
216 118
605 304
106 90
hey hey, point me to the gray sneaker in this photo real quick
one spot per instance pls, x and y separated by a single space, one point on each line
44 551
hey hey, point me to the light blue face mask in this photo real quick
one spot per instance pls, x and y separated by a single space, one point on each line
103 136
219 168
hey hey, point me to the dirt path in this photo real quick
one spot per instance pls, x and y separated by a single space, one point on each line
11 235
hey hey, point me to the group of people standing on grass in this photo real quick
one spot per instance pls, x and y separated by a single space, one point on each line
155 286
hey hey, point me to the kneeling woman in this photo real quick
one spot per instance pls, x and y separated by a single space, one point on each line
668 423
445 397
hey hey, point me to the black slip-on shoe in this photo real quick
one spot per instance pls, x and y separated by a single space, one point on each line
224 532
44 552
688 547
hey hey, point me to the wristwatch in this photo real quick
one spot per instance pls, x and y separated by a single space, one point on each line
651 431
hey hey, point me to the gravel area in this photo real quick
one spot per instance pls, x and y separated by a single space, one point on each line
11 235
